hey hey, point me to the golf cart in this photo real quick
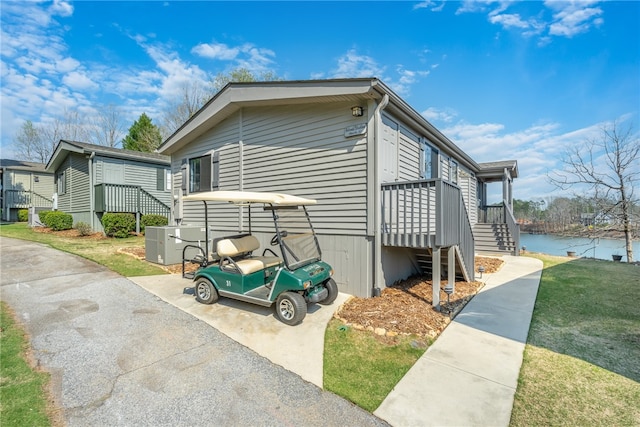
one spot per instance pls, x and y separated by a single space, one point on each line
291 280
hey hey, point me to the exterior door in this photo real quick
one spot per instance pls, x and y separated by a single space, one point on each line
389 151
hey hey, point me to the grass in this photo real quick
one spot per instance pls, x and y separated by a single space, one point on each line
103 251
582 360
360 368
23 400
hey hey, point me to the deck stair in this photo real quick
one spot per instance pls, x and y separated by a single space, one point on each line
493 239
424 259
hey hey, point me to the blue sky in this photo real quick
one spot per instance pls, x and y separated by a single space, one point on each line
503 80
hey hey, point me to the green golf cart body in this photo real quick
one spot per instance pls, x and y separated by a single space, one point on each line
291 280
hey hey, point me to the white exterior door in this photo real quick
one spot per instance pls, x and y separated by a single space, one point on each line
389 151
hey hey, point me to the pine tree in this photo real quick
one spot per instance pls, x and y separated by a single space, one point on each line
143 135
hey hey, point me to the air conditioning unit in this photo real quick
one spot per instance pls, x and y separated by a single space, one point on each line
164 245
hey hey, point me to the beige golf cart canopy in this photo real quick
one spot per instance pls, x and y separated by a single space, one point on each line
246 197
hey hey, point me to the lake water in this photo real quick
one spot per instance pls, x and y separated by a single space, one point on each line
596 248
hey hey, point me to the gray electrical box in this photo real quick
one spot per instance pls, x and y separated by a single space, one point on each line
164 245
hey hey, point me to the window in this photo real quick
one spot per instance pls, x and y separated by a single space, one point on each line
62 183
204 173
453 171
428 162
163 179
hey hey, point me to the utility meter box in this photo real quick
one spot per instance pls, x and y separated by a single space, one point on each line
164 245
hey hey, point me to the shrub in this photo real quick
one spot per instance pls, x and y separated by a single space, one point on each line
23 215
152 220
58 221
43 215
118 224
84 229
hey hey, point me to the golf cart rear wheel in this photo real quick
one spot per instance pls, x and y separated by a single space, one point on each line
332 288
291 308
205 292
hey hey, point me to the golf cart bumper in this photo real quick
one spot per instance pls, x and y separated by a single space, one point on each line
317 294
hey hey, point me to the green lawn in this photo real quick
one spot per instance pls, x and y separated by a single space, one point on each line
582 360
23 400
360 368
102 251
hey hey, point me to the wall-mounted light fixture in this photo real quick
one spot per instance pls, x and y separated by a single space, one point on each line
357 111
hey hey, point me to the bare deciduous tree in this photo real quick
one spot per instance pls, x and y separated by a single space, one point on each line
610 167
193 97
29 144
108 127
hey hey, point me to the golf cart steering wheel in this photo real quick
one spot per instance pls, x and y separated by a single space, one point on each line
274 239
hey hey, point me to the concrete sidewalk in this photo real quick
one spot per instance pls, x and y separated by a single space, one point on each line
468 377
298 349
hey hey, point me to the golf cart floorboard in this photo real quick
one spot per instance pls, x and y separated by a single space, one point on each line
262 292
258 296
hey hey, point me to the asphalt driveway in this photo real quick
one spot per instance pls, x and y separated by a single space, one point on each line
119 355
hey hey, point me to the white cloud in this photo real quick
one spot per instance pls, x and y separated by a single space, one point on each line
434 6
249 56
571 18
79 81
433 114
568 18
508 20
61 8
219 51
353 65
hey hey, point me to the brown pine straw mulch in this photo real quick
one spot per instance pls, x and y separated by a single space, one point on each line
406 307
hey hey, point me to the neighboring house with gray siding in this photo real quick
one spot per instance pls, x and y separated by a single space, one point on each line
93 179
393 192
24 185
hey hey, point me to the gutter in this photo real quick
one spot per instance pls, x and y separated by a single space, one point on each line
377 217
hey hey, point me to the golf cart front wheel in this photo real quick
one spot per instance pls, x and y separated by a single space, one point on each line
332 288
291 308
205 292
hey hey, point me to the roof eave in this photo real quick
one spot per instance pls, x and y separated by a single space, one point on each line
235 96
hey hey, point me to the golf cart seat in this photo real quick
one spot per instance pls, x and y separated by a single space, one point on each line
236 253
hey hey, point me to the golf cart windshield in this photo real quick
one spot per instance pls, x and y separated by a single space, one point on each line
296 236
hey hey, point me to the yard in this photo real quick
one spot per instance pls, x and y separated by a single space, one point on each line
580 364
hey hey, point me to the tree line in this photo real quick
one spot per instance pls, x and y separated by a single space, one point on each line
562 214
106 126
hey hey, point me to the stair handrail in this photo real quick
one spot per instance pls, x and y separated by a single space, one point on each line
513 227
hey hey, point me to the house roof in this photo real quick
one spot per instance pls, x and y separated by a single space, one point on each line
65 147
235 96
493 171
22 165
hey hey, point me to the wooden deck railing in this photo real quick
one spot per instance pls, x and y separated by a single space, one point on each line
26 199
427 214
128 198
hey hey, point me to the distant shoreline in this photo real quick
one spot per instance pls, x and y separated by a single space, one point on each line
583 232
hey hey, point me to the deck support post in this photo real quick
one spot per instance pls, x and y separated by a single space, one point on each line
436 263
451 269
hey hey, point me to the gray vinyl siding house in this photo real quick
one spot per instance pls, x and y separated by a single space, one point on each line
93 179
24 185
390 187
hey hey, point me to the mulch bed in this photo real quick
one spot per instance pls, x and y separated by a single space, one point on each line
406 307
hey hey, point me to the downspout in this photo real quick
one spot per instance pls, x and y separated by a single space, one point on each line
92 207
241 173
377 218
4 198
